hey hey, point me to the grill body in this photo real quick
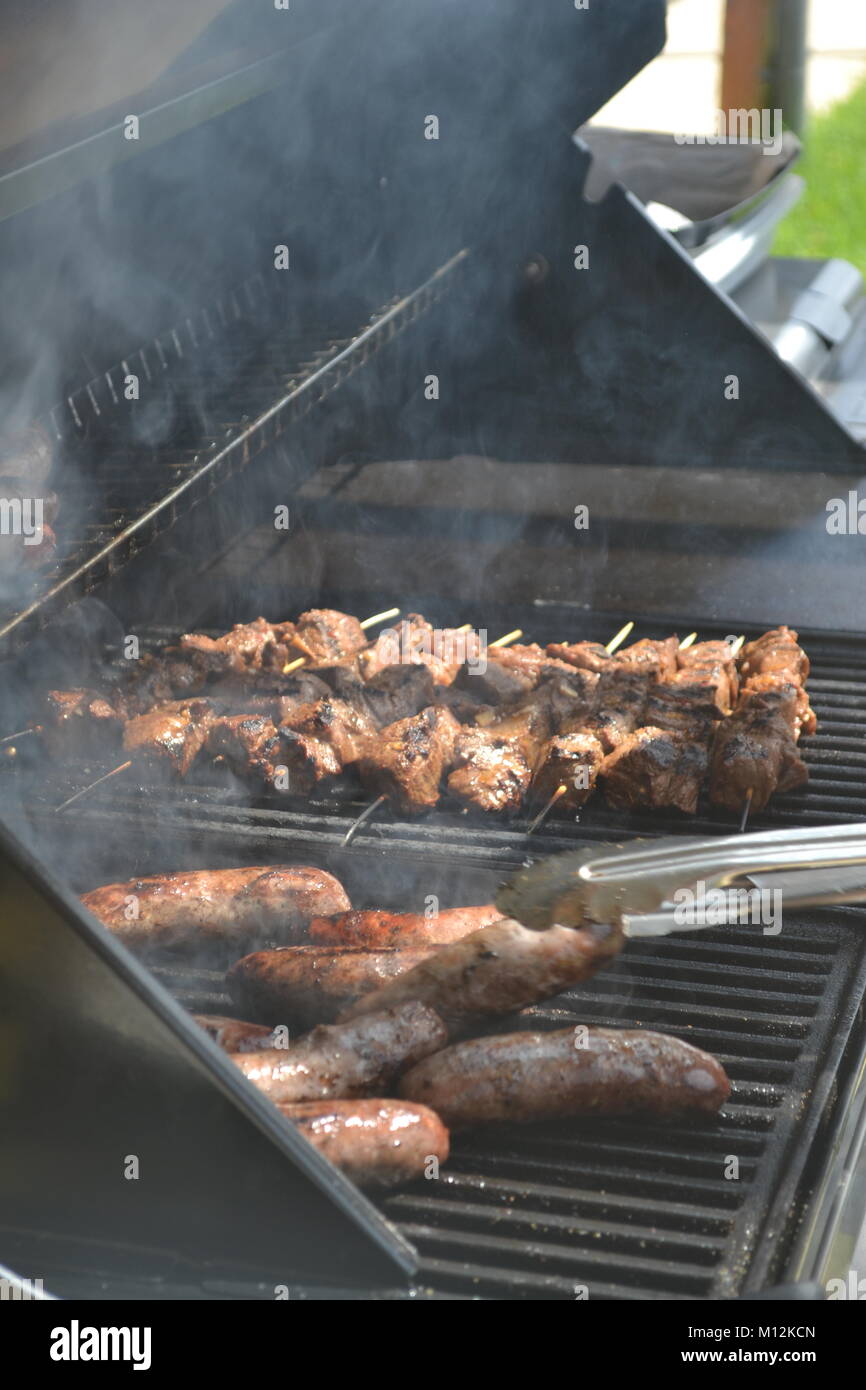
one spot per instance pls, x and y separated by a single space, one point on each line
314 394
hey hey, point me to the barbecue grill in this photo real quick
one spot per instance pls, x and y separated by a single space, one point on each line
430 409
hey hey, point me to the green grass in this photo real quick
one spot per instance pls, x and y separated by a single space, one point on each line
830 219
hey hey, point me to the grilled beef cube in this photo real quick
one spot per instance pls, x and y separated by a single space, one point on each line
248 647
586 656
500 684
171 735
465 705
266 691
529 662
777 651
415 642
709 664
327 637
319 739
572 761
491 771
654 768
309 760
683 709
82 723
755 750
395 692
249 743
800 712
335 722
407 760
622 697
529 724
656 659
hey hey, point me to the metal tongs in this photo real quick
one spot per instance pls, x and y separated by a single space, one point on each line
652 888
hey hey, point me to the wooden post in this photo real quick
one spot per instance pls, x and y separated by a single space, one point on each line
748 26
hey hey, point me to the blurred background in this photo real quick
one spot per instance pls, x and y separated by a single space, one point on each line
728 53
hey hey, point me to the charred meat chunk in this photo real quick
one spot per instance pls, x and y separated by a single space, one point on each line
655 768
755 750
777 651
491 773
572 761
407 760
325 636
395 692
249 743
170 736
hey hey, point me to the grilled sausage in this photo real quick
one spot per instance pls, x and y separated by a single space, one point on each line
523 1077
217 905
380 930
305 985
496 970
376 1143
350 1059
232 1034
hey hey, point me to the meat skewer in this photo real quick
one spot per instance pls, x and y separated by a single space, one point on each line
177 730
755 751
367 623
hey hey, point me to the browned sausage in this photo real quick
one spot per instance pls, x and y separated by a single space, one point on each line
347 1060
379 930
574 1071
376 1143
304 985
217 905
232 1034
496 970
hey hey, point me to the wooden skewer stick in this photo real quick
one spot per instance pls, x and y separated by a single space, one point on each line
113 773
557 796
22 733
365 815
507 639
368 622
616 642
747 806
688 642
